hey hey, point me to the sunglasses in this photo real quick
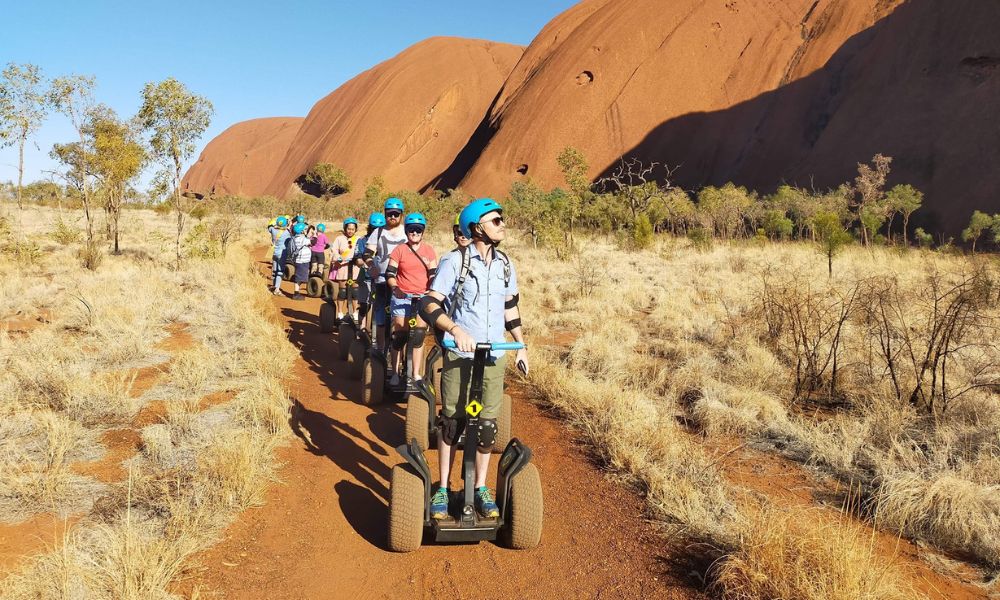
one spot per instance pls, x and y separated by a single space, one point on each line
414 230
495 220
393 214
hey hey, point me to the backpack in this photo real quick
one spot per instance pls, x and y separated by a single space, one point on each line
463 274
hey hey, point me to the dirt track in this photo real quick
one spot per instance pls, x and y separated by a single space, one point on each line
322 532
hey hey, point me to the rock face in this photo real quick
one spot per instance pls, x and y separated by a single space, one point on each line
241 160
403 120
758 92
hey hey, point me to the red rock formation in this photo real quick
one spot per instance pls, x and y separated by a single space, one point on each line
242 160
405 119
759 92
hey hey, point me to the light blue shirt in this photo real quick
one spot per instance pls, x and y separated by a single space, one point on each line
480 312
278 237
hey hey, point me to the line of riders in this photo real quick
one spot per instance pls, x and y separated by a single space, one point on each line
468 297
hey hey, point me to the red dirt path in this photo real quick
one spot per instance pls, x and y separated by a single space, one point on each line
322 532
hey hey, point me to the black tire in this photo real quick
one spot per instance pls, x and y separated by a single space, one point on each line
416 421
330 290
406 509
345 335
372 382
315 287
289 271
355 359
523 529
503 425
327 313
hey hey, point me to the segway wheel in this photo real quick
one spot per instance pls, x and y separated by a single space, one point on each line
289 271
406 509
416 421
355 360
315 287
345 336
372 382
435 371
503 426
327 313
523 529
330 290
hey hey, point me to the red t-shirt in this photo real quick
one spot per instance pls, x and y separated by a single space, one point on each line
412 274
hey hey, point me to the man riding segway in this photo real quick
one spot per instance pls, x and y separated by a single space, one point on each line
482 309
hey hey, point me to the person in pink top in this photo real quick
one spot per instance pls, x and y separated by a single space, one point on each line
319 245
342 270
409 274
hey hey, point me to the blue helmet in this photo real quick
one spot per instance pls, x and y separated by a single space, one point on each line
393 204
298 228
300 218
321 228
350 221
376 220
281 222
415 219
474 212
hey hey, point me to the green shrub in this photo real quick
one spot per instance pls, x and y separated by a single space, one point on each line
200 243
326 180
65 233
638 237
91 256
701 238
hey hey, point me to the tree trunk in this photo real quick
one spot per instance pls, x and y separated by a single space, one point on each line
86 195
829 264
888 228
20 170
906 220
179 208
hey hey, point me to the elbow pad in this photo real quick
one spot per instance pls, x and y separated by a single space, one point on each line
430 309
391 271
512 325
512 303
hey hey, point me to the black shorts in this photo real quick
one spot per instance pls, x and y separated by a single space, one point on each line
319 257
301 272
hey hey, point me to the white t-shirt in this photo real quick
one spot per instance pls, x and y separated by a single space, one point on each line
386 241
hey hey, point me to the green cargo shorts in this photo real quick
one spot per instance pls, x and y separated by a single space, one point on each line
456 379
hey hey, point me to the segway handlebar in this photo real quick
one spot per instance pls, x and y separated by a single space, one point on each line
497 346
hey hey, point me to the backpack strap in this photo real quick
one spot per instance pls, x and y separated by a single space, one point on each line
506 266
421 259
463 274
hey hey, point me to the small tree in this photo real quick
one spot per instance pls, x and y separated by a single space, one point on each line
72 95
923 239
831 235
905 200
869 191
776 224
573 165
979 223
329 180
176 118
23 108
117 160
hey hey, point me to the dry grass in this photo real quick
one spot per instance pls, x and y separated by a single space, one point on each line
676 335
67 381
808 555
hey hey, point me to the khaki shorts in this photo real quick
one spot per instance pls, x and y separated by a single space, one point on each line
456 378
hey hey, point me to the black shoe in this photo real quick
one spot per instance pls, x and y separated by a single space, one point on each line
298 297
337 321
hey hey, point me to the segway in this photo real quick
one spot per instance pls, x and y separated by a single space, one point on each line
375 392
421 422
519 488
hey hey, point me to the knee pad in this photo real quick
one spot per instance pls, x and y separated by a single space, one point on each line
398 340
451 428
342 292
487 433
417 336
352 293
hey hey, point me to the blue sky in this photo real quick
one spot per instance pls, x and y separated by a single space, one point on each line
251 58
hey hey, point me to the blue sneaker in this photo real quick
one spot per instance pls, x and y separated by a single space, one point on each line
485 504
439 504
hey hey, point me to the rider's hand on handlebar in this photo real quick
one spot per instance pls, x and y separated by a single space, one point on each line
398 293
521 360
464 341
